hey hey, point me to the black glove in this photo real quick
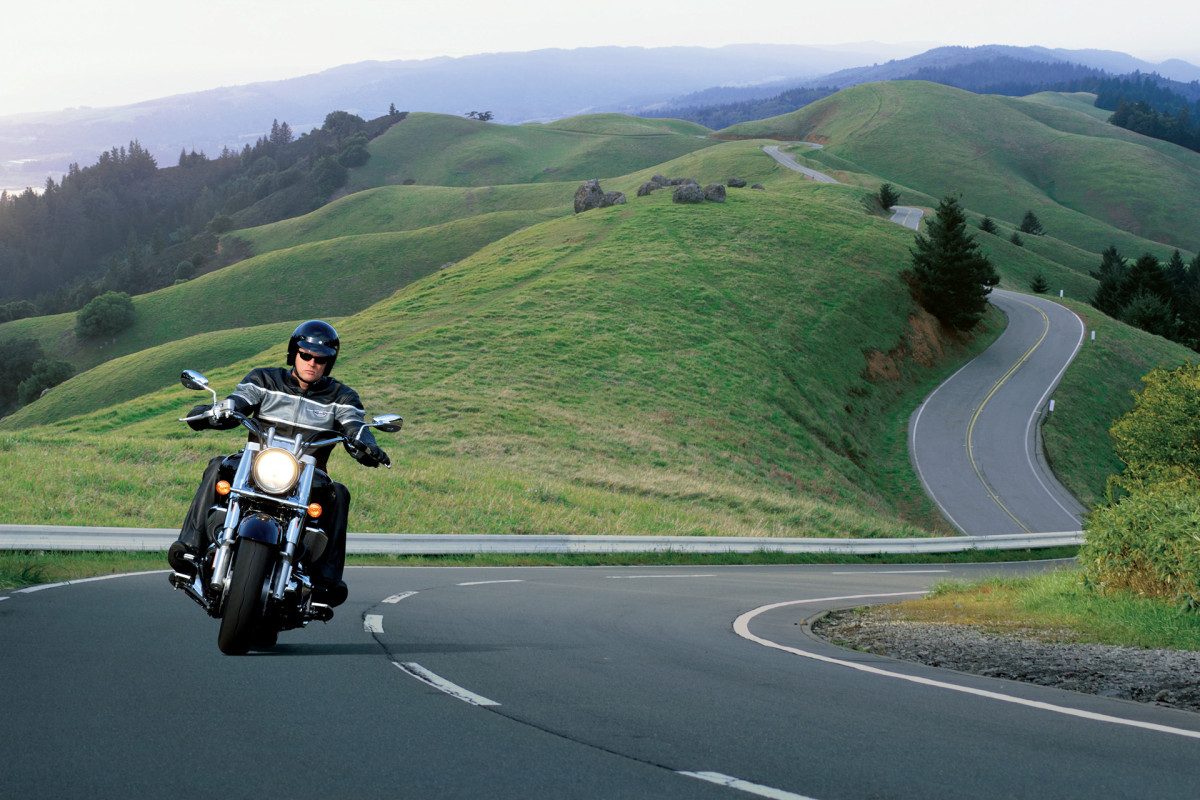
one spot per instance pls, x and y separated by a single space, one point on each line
201 424
368 454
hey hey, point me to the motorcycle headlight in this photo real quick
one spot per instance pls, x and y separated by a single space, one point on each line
275 471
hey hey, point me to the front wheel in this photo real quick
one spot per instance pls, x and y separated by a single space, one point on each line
247 598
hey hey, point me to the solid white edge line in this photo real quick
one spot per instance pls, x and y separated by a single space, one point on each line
40 587
373 623
745 786
485 583
742 627
441 684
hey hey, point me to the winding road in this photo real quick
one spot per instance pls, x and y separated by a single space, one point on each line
975 441
652 682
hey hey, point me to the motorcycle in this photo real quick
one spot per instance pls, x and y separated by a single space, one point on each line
255 576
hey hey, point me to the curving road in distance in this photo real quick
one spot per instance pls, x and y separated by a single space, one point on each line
677 682
975 441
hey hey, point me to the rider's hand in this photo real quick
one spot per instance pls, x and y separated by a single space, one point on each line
369 454
199 411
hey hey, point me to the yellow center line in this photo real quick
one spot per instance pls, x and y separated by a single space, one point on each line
971 427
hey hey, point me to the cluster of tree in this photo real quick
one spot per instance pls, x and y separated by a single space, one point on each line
1140 117
1030 224
25 373
126 225
723 115
482 116
1009 76
950 275
1159 298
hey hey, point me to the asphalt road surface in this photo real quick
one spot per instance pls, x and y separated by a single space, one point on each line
789 161
908 216
975 440
563 683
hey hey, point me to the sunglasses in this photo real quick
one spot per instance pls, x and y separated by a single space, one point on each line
321 360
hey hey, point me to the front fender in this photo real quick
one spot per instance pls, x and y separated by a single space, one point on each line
261 528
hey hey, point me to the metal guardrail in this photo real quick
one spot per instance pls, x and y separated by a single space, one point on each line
53 537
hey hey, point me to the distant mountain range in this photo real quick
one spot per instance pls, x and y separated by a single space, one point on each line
537 86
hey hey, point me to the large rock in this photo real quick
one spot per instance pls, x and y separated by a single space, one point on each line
715 192
612 199
736 183
648 187
688 193
589 195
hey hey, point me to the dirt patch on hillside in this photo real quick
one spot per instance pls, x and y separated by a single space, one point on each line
925 343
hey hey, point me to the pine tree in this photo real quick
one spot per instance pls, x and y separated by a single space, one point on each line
1031 225
950 276
988 225
888 196
1109 296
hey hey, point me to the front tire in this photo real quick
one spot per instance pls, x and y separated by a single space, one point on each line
247 598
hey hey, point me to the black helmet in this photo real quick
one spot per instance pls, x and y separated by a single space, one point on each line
318 338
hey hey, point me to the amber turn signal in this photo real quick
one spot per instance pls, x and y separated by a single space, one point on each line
222 488
314 510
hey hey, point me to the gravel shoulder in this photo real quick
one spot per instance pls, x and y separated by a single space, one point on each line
1164 677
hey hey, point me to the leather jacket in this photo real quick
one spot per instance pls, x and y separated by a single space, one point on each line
273 395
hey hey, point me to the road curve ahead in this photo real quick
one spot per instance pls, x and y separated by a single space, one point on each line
788 161
975 441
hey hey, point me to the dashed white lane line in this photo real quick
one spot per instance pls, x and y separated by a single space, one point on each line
742 627
485 583
745 786
373 623
396 598
441 684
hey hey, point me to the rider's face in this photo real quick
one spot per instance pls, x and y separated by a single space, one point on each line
310 369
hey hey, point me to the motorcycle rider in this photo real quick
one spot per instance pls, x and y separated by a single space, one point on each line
302 399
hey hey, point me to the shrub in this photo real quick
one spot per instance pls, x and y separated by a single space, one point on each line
106 315
1146 542
45 375
354 155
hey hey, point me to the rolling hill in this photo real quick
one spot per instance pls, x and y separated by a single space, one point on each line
1090 183
721 369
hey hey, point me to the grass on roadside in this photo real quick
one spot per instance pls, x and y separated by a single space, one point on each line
1057 607
31 567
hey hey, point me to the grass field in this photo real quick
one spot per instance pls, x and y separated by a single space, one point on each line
647 368
438 150
1090 183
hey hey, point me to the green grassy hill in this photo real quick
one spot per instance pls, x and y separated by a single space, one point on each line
1090 183
438 150
650 367
330 277
744 368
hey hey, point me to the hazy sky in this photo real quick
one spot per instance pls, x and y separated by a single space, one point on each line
63 53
